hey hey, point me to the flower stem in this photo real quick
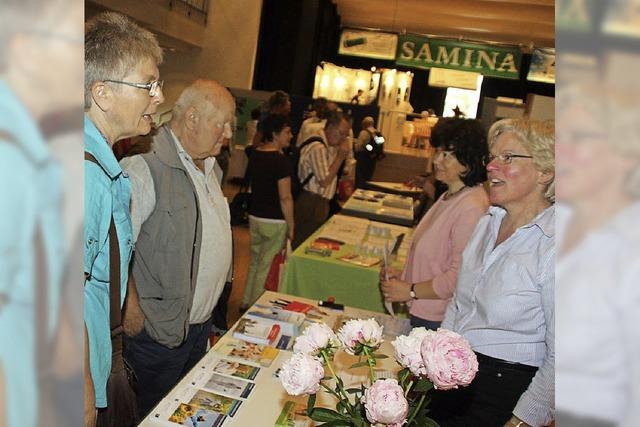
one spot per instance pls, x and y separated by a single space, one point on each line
340 388
371 361
406 392
417 409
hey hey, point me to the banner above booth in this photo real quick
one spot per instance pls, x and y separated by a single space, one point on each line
424 52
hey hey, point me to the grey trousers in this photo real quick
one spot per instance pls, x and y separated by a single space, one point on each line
310 212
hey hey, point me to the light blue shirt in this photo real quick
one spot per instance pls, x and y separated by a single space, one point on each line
504 303
107 193
30 191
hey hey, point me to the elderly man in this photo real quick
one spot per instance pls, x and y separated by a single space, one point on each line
321 161
183 246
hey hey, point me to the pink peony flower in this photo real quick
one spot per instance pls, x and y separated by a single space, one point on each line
301 374
314 338
384 403
449 360
356 333
407 351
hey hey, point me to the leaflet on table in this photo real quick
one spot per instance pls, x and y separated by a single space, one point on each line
293 414
236 369
246 352
257 330
228 386
194 416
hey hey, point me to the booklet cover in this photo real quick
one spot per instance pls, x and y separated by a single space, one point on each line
236 369
228 386
293 414
214 402
248 352
193 416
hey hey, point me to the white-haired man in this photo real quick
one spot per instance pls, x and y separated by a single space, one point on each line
183 247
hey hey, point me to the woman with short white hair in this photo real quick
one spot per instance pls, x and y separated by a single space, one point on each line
504 302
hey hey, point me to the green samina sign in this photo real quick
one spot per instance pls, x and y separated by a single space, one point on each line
423 52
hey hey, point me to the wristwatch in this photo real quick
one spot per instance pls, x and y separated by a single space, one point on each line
412 292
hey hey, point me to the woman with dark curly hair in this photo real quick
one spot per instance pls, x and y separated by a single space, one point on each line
430 274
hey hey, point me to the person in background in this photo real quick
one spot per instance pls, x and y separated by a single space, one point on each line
357 98
367 152
429 278
504 300
122 91
271 209
183 246
318 114
278 103
321 160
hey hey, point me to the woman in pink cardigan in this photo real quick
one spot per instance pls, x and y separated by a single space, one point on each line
430 274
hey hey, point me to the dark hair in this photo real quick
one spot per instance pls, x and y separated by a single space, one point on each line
255 113
334 118
278 99
273 123
468 141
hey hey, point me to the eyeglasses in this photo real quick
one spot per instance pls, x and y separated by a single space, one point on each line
154 87
505 159
443 154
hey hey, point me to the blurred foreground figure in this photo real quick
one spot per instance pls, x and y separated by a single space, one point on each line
598 264
40 54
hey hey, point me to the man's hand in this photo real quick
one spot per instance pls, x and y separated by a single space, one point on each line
133 317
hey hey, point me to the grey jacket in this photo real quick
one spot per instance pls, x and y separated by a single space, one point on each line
165 263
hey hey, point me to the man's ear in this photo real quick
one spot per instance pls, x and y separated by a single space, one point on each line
191 118
546 178
102 95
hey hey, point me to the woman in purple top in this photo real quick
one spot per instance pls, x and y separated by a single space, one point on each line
430 274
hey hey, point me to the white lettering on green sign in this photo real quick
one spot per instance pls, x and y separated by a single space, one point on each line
497 62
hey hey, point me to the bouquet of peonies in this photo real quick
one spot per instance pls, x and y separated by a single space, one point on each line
430 359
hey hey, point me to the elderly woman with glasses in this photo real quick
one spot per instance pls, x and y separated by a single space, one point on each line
504 302
429 278
122 91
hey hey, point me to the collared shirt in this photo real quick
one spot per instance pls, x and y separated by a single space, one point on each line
30 191
215 250
317 158
504 303
107 192
597 362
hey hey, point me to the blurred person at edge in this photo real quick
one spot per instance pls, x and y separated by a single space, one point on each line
278 103
271 210
122 90
429 278
40 49
177 204
504 299
598 265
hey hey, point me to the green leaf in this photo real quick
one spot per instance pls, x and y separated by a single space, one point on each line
325 415
422 386
380 356
310 403
353 390
428 422
357 365
342 407
337 423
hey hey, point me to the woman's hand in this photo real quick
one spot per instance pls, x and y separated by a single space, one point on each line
388 272
395 290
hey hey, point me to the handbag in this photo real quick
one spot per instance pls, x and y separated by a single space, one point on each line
277 269
121 410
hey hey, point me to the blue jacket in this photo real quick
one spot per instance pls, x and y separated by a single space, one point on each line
107 193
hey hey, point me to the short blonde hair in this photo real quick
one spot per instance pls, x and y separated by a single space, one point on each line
114 45
538 138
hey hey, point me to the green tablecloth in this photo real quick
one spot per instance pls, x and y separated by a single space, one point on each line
316 277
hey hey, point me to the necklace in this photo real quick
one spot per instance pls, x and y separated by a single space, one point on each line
449 195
